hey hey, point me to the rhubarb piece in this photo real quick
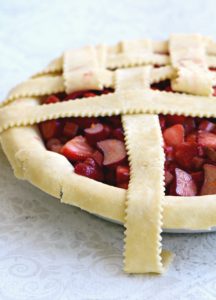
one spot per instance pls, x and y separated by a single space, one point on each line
174 119
118 134
96 133
122 174
174 135
50 129
207 139
51 99
206 125
54 145
70 129
185 186
113 150
77 149
89 169
185 153
85 122
209 185
98 157
168 177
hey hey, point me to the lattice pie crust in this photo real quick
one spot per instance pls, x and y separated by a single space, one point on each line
129 67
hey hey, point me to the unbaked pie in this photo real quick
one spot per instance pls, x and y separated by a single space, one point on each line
127 132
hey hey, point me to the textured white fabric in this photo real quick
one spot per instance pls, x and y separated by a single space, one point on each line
53 251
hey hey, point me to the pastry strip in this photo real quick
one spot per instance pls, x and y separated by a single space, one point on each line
125 102
82 69
135 78
145 194
39 86
188 56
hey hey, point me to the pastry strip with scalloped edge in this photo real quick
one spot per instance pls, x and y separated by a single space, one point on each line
39 86
82 68
126 102
143 203
188 56
143 219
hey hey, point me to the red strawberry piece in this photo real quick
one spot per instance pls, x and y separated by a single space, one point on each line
209 185
123 185
207 139
162 121
189 125
77 149
50 129
211 154
185 153
206 125
197 162
118 134
198 178
70 129
85 122
174 119
96 133
191 138
185 186
122 174
174 136
168 177
89 169
113 150
54 145
169 152
51 99
98 157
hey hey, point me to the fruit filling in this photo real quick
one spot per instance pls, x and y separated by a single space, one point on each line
95 147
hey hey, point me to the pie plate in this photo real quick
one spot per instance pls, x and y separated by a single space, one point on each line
126 132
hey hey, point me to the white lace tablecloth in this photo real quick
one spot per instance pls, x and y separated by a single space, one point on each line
53 251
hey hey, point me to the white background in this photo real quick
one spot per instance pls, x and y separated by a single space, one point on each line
54 251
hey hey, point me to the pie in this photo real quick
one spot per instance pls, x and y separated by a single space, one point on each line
127 132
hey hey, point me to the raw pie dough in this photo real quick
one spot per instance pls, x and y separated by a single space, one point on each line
129 67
